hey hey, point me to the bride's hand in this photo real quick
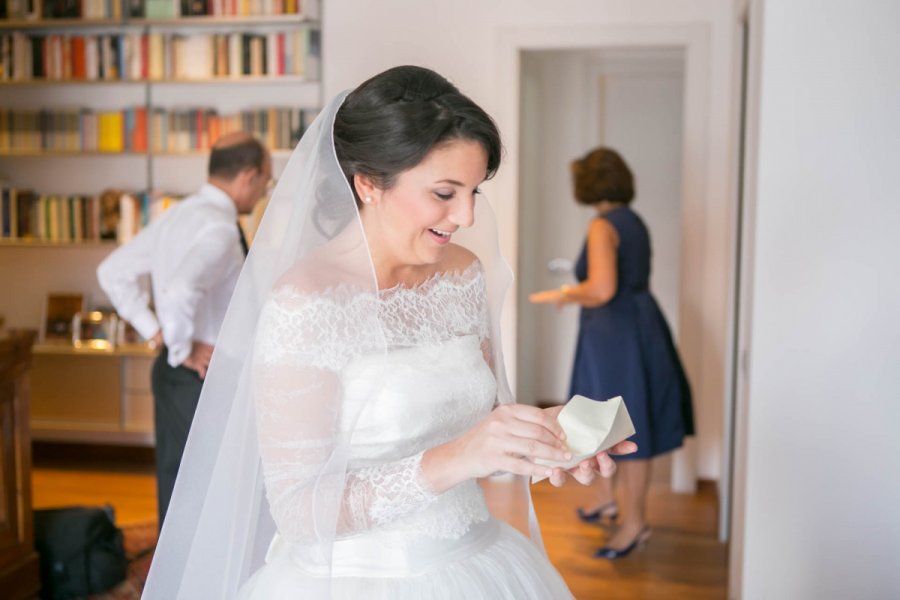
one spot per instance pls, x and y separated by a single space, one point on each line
587 470
508 439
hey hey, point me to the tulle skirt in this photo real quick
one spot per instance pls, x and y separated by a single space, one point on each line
491 562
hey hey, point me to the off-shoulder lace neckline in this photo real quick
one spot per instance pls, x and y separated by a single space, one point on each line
453 277
327 328
344 292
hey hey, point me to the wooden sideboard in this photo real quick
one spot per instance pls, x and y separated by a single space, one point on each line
19 567
92 396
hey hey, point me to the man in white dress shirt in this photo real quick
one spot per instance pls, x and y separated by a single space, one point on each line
193 254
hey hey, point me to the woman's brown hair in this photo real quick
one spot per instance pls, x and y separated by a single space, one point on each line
602 175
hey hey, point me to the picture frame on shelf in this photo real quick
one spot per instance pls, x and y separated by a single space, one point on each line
94 329
56 320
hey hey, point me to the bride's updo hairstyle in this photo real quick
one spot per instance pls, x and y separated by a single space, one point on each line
390 123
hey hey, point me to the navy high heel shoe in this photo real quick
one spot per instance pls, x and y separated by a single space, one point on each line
607 511
611 553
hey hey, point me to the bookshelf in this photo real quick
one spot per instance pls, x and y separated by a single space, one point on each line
104 396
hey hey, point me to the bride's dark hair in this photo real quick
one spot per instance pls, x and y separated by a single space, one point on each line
389 123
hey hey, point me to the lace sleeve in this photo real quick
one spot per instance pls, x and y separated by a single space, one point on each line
298 355
379 495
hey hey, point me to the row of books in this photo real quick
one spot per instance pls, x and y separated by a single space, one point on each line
139 129
31 10
150 9
73 130
198 129
158 56
164 9
113 215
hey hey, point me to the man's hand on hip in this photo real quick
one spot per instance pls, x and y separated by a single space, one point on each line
199 358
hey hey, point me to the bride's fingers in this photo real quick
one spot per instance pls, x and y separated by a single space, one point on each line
583 473
558 477
533 431
546 419
605 465
531 448
520 466
625 447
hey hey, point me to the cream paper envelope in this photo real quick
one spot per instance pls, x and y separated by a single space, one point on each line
591 427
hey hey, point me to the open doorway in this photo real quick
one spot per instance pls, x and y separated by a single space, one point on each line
572 101
691 225
707 212
632 100
629 99
704 220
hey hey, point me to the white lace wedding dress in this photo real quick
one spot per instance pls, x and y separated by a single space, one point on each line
395 539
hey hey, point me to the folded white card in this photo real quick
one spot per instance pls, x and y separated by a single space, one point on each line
591 427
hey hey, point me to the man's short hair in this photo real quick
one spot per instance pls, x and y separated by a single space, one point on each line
226 162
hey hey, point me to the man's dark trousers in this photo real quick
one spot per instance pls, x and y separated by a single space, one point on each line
176 391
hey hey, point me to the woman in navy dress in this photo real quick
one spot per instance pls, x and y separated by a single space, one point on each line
624 345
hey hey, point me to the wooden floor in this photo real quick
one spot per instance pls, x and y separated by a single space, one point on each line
93 476
683 559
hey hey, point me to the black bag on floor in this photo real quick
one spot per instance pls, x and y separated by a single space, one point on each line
81 551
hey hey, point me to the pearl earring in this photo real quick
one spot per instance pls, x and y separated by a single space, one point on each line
367 199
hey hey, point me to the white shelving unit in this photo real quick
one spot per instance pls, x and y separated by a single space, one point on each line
29 270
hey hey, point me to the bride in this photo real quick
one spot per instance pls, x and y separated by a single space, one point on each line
357 392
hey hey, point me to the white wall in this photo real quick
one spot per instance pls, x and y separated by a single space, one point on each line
820 448
468 41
